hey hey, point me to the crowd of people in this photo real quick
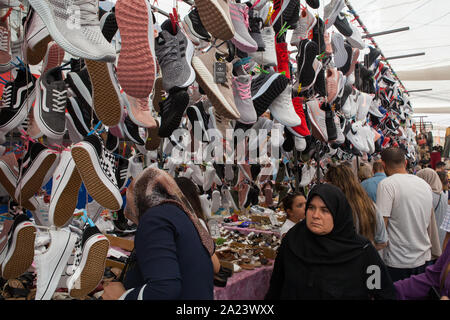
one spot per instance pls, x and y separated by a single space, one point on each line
383 236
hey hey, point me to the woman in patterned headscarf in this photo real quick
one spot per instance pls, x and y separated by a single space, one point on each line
172 249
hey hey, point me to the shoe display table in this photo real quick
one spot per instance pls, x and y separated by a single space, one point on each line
248 230
246 285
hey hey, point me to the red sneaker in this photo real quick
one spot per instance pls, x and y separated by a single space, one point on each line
283 59
301 130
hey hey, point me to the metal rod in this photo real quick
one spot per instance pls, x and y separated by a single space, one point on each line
155 9
406 56
420 90
352 11
376 34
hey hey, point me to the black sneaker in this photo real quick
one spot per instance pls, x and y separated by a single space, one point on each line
122 173
289 13
341 23
131 131
96 166
18 97
266 88
76 65
255 25
288 144
172 110
108 25
313 3
112 142
308 50
37 163
197 114
49 110
195 25
373 55
80 83
78 118
346 67
318 32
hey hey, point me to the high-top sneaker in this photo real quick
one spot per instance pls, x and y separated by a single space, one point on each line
49 111
65 187
37 163
18 97
20 246
96 166
86 40
283 59
89 266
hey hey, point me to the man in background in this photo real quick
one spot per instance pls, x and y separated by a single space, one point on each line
371 184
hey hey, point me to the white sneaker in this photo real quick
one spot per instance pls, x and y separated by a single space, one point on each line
355 40
135 166
306 23
215 201
364 102
206 205
300 143
40 215
283 110
268 57
308 173
331 11
197 175
79 35
51 263
373 110
65 187
357 138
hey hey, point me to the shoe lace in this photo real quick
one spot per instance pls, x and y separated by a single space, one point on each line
243 89
59 100
88 10
7 93
4 39
244 11
167 53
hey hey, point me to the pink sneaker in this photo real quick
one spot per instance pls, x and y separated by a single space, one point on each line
53 57
332 84
139 112
5 37
328 47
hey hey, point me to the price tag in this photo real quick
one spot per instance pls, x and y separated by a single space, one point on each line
220 72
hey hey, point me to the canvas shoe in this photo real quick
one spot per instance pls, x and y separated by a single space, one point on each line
172 110
340 53
268 57
136 72
82 36
132 132
219 94
20 254
243 98
331 12
65 187
215 16
5 43
122 172
96 166
37 165
36 38
355 40
305 24
90 261
49 110
53 57
283 110
174 52
80 83
78 118
7 224
266 88
240 17
51 262
195 26
18 97
105 92
285 11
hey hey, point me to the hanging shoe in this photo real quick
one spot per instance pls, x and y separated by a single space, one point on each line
215 16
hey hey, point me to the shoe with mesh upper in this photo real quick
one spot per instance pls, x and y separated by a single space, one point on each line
283 110
96 166
139 112
268 57
172 110
266 88
286 11
305 24
5 43
243 98
240 18
302 130
80 35
331 12
195 25
283 59
49 110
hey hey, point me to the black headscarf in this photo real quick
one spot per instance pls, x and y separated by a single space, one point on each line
341 244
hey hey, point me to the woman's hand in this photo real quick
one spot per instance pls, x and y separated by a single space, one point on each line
113 290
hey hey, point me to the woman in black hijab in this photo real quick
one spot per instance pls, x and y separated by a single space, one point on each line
323 257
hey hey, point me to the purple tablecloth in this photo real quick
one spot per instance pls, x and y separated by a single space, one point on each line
246 285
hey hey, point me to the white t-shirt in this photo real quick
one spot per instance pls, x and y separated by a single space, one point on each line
407 201
287 225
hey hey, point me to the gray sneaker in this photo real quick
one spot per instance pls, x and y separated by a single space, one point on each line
174 53
243 98
242 39
255 25
49 110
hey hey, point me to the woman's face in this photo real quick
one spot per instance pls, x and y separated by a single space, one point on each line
297 212
318 218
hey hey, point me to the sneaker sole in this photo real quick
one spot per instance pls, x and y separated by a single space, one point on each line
92 271
157 93
46 13
23 254
100 188
53 58
104 96
271 89
35 175
136 66
65 196
206 81
215 20
153 139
